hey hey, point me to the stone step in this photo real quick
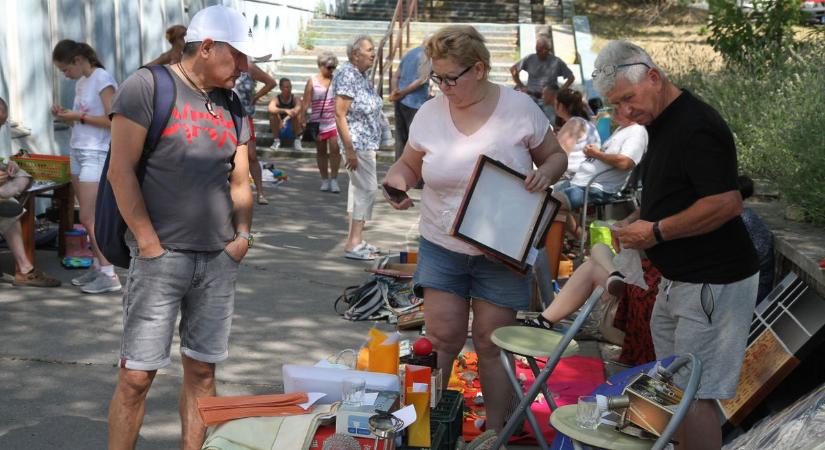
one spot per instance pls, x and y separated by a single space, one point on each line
421 26
449 17
309 61
503 38
299 76
509 53
473 8
341 43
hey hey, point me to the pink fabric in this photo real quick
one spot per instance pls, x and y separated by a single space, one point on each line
574 376
516 126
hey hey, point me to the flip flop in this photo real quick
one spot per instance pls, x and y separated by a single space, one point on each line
360 253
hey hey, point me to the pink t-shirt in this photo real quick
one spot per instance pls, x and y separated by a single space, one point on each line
516 126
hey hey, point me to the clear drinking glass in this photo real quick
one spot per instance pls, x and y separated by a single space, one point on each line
587 412
353 390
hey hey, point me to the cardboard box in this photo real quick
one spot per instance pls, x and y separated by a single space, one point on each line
354 421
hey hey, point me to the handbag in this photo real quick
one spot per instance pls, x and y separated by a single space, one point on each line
314 128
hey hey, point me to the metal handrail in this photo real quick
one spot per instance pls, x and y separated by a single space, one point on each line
397 43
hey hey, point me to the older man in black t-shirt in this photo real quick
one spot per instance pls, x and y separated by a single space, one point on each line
689 225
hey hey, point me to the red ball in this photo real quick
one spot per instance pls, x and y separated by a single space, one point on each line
422 347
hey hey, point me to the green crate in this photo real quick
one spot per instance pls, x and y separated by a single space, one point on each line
438 441
450 412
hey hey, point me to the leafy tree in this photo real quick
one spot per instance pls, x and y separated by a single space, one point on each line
753 36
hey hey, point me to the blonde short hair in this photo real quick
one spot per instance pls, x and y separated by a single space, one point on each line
460 43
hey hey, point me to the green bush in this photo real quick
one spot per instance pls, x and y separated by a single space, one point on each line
755 36
776 118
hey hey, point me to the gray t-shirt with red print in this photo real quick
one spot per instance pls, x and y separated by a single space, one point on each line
186 186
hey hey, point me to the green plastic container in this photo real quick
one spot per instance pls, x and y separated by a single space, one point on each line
450 412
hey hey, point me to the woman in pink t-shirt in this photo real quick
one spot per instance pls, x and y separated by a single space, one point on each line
473 117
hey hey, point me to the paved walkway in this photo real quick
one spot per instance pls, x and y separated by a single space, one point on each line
58 348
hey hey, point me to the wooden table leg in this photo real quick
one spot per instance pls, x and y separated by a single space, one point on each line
65 199
27 230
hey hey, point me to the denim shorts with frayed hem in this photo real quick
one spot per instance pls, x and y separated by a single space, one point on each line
201 285
470 277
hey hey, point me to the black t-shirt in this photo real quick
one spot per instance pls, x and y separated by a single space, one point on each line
691 154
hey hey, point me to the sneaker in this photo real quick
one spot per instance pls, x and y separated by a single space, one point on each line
298 145
86 278
333 186
102 283
276 144
35 278
325 186
615 284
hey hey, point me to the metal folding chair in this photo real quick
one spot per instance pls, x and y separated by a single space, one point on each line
535 343
607 437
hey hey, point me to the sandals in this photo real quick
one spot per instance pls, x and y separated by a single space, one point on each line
615 284
360 253
537 322
369 247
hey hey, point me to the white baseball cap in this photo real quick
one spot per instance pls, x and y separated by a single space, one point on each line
222 24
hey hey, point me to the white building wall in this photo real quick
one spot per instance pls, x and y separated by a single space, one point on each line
125 34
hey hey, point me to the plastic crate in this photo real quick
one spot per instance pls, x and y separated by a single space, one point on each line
450 412
438 438
45 167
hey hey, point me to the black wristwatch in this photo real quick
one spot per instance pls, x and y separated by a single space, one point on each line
657 233
248 236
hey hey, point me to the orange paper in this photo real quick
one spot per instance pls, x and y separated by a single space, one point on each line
216 410
383 357
418 434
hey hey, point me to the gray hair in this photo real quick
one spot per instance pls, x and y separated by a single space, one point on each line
544 39
327 58
617 53
354 44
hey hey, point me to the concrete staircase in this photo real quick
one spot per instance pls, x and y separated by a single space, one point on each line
502 11
332 35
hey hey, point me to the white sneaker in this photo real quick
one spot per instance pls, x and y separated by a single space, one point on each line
298 145
325 186
86 278
276 144
333 186
102 283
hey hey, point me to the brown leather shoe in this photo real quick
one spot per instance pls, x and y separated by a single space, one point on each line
35 278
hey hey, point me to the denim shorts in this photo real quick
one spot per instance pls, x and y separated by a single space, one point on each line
470 277
87 164
712 321
575 195
201 285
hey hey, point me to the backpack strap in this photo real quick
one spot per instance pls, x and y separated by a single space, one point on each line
163 101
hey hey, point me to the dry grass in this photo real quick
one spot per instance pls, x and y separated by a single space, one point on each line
671 36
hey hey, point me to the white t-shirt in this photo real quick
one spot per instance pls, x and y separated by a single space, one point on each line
87 100
516 126
576 157
630 141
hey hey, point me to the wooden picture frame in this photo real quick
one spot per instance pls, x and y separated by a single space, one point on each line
501 218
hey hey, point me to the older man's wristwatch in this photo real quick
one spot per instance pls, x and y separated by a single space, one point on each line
248 236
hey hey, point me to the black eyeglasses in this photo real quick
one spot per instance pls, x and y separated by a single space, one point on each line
449 81
331 67
609 70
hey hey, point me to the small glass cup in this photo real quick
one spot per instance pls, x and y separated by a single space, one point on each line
353 390
588 414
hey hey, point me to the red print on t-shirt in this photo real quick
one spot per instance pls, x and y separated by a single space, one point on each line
191 122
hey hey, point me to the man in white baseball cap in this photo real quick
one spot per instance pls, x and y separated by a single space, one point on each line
188 228
222 24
